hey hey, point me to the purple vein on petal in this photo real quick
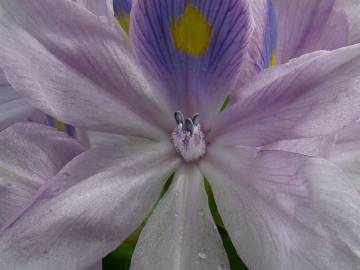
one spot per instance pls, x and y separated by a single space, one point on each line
194 48
269 55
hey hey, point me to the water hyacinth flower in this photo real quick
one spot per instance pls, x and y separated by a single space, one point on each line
282 210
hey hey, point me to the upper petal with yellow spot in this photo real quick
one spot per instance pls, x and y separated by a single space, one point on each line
191 32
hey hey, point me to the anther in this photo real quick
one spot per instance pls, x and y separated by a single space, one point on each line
196 119
179 118
189 126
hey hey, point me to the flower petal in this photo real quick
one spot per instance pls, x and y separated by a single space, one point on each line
263 40
313 95
88 209
96 266
12 108
346 153
122 7
195 48
104 9
351 9
29 155
98 7
350 133
291 212
181 233
95 139
316 146
75 67
342 148
122 10
268 34
306 26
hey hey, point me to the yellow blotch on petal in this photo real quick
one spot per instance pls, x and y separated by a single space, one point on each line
273 59
124 21
191 32
59 125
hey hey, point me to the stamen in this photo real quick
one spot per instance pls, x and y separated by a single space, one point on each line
188 138
179 117
196 119
189 126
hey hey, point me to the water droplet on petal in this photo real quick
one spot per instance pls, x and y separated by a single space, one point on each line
201 213
221 267
202 255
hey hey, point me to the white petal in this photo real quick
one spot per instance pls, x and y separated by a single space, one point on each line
73 66
98 7
181 233
316 146
291 212
314 95
352 10
346 153
307 26
29 155
96 138
96 266
12 107
88 209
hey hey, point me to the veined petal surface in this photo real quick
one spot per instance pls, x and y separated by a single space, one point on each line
98 7
77 68
345 153
291 212
313 95
286 29
262 41
95 139
181 234
306 26
30 154
341 148
351 9
314 146
195 48
122 10
88 208
12 107
262 14
122 7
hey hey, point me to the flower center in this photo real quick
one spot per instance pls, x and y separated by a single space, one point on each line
188 138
